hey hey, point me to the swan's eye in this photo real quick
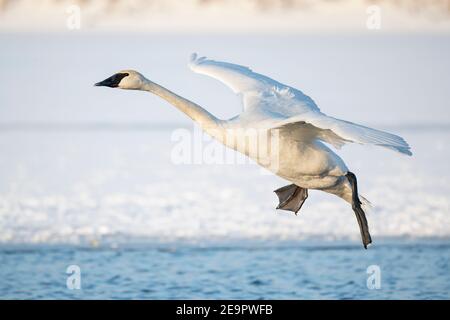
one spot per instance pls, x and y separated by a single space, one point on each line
113 81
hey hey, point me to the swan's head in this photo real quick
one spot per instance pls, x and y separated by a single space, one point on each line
126 79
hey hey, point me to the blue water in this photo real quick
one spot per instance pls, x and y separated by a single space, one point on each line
246 270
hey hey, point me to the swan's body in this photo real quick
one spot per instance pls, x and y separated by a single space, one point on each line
293 130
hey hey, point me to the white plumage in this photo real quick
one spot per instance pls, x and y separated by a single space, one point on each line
268 99
297 132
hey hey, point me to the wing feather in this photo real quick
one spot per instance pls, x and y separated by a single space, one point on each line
243 80
330 128
286 107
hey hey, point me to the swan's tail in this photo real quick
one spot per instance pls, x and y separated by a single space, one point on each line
366 204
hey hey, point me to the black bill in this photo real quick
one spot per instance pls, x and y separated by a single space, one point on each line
113 81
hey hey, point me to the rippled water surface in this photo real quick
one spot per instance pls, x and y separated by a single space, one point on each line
236 271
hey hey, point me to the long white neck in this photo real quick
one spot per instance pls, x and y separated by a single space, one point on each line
205 119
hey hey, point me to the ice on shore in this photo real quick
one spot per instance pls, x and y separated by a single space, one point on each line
122 187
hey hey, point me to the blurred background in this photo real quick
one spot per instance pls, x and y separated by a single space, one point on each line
87 177
268 16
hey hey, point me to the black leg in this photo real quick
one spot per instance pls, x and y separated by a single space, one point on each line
360 215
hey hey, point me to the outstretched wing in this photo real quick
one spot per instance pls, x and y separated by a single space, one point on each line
338 132
252 86
291 109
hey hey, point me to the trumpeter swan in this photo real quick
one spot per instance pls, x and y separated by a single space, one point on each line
302 130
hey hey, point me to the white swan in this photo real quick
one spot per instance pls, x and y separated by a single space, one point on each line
294 128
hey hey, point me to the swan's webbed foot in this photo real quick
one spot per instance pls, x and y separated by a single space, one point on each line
359 212
291 197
